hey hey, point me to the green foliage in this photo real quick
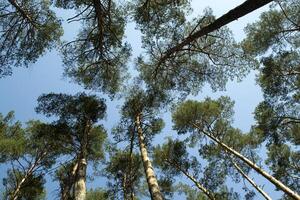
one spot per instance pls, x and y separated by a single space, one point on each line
190 193
29 152
97 194
284 162
275 38
276 124
280 76
12 141
124 172
194 194
97 57
212 59
174 153
153 17
32 189
25 32
276 30
75 115
209 114
143 103
34 142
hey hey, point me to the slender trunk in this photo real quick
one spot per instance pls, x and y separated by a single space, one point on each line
198 185
15 194
124 187
131 165
151 179
29 172
265 195
80 178
273 180
239 11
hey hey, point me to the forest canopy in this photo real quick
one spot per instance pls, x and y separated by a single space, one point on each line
166 142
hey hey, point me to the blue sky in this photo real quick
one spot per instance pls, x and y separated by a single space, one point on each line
20 91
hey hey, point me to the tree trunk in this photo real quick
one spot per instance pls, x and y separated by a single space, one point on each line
29 172
131 165
265 195
15 194
80 180
80 177
150 176
124 187
273 180
239 11
198 185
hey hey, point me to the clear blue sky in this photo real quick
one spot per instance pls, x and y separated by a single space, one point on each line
20 91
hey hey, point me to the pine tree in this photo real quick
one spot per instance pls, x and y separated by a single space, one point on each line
139 123
25 28
77 118
212 119
30 153
97 57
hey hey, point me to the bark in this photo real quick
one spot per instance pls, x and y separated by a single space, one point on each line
124 187
150 175
265 195
245 8
80 181
15 194
198 185
80 178
100 22
131 165
259 170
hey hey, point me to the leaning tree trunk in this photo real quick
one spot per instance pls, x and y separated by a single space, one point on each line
247 7
198 185
29 172
16 192
259 170
263 193
150 175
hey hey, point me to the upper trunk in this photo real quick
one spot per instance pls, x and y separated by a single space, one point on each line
150 175
239 11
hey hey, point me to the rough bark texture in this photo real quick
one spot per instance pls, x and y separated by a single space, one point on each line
265 195
239 11
198 185
80 185
80 177
273 180
150 176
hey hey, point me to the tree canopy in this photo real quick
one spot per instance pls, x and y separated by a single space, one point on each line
167 141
